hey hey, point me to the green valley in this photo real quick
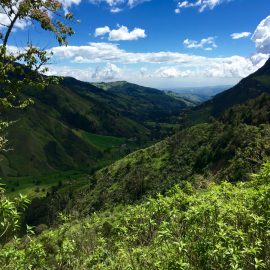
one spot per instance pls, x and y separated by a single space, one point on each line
134 135
75 125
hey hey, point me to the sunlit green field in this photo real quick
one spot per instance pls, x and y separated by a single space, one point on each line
38 186
100 141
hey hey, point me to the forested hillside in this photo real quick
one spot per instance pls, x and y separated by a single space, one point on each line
98 173
223 226
201 153
61 129
190 201
229 147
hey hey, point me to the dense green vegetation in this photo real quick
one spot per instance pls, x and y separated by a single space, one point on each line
194 200
144 103
189 98
102 142
229 148
58 130
224 226
210 151
39 186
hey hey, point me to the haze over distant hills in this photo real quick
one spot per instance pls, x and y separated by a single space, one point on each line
248 88
206 91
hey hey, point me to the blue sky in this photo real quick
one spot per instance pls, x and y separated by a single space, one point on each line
160 43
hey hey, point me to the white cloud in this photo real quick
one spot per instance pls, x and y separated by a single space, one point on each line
202 5
261 36
164 67
94 53
118 5
259 59
68 3
133 3
67 71
108 73
122 33
144 72
109 52
116 10
5 21
240 35
111 3
171 72
207 44
102 31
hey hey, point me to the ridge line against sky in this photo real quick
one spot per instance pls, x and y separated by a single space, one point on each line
160 43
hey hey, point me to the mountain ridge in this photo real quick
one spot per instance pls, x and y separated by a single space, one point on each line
64 117
248 88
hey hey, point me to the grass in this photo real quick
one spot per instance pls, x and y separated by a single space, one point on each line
100 141
38 186
265 80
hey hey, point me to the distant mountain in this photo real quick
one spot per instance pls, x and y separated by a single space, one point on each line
58 131
230 146
143 103
191 96
247 89
190 99
205 92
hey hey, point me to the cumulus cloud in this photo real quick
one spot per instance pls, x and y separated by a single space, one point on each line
68 3
100 52
122 33
108 73
207 44
165 65
171 72
95 53
202 5
261 36
133 3
116 10
67 71
240 35
100 31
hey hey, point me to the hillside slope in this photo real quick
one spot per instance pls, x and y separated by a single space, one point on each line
144 103
247 89
223 226
56 133
205 151
229 147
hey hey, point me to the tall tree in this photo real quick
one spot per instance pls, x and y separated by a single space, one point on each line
24 67
20 67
